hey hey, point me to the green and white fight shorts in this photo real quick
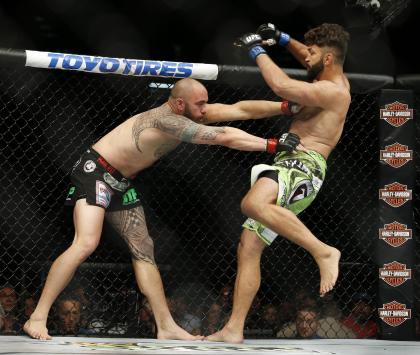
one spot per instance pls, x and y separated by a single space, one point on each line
300 177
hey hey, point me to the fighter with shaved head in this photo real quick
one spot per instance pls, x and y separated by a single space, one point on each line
102 187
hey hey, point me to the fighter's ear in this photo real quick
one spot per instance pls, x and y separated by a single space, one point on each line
328 58
180 103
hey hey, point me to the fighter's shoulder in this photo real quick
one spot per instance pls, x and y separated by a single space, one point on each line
161 113
336 88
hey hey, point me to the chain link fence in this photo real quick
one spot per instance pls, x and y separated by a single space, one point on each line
192 203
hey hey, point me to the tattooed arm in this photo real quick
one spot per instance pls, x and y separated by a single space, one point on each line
188 131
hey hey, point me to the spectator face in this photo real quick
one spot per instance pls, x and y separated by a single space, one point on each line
8 299
214 313
69 313
307 323
81 295
270 315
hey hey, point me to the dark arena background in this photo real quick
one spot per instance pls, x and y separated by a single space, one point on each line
192 196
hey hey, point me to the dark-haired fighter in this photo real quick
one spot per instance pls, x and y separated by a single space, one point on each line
281 191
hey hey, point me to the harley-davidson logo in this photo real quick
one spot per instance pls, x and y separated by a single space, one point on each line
395 273
396 114
395 194
394 313
396 155
395 234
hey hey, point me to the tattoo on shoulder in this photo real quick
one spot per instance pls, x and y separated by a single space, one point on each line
143 121
175 125
186 130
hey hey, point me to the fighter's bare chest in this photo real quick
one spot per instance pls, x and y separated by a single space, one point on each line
308 113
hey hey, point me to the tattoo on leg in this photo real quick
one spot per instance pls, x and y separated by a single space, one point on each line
131 226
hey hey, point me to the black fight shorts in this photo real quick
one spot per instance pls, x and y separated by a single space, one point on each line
94 179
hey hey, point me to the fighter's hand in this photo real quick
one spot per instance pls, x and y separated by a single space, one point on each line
251 42
288 142
271 35
290 108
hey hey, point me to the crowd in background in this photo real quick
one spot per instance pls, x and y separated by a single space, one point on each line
302 316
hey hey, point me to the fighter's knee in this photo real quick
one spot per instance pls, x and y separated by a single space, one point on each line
142 251
246 205
250 244
138 255
251 208
86 247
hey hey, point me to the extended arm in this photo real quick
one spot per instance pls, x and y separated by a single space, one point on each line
188 131
249 109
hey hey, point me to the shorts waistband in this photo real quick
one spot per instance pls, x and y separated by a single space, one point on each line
312 153
317 155
317 160
108 167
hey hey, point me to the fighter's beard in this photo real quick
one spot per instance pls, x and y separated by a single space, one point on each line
315 70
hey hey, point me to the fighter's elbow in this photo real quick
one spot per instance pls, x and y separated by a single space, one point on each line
225 139
275 86
280 87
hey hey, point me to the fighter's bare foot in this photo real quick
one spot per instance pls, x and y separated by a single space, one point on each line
177 333
36 329
328 269
226 335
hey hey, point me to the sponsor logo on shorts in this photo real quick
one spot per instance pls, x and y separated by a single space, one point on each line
89 166
103 194
70 193
396 114
115 184
76 164
396 155
394 313
395 234
395 194
395 273
296 164
130 197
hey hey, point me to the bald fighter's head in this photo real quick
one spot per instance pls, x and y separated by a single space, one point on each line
189 98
